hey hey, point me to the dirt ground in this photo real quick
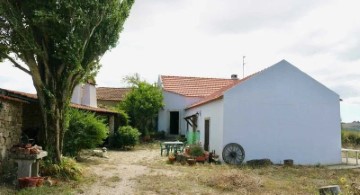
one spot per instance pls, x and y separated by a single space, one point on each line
116 174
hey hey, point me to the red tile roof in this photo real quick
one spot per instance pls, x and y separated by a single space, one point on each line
28 95
88 108
12 99
34 96
194 86
113 94
218 94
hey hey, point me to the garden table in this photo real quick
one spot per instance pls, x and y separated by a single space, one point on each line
174 146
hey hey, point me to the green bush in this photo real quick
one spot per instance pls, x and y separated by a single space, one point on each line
85 131
123 118
68 169
196 150
124 137
157 134
350 138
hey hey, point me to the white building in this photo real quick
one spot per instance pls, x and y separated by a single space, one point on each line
278 113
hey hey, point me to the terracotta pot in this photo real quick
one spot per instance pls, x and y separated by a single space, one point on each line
40 181
25 182
172 159
200 159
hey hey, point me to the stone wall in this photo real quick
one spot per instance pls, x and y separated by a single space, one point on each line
10 126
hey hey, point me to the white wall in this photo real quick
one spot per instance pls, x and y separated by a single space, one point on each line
77 94
214 112
84 94
174 102
89 95
281 113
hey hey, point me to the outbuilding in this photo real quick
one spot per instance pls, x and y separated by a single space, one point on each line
278 113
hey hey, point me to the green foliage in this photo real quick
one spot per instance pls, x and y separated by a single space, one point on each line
181 138
67 169
256 163
142 104
157 134
85 131
123 118
196 150
350 137
124 137
59 44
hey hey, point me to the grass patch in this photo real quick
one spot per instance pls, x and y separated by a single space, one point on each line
218 179
62 188
233 181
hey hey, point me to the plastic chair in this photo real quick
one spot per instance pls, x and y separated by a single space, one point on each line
180 148
164 147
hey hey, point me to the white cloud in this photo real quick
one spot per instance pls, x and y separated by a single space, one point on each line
208 38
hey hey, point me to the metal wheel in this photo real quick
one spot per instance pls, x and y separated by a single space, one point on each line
233 154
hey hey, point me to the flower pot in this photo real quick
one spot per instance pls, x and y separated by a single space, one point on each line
25 182
201 159
172 159
40 181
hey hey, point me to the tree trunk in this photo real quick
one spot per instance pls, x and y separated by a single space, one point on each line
54 115
54 106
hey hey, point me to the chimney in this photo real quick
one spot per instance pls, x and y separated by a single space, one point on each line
77 94
89 95
85 94
234 76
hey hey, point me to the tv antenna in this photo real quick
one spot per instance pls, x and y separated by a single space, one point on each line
243 66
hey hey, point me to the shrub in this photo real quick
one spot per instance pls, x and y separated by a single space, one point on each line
123 118
85 131
68 169
157 134
350 138
196 150
124 137
259 163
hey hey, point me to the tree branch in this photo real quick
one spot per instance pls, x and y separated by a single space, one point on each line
17 65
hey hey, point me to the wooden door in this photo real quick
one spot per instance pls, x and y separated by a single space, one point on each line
207 134
174 123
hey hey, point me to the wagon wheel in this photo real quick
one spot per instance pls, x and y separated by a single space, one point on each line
233 154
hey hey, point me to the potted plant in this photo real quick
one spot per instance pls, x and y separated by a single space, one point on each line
171 158
198 153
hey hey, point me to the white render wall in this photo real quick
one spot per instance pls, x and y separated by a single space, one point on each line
214 112
174 102
282 113
89 95
77 94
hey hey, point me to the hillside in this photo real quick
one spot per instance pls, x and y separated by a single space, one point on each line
351 126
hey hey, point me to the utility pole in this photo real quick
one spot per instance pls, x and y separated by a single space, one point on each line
243 66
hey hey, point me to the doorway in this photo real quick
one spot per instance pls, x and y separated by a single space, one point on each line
207 134
174 122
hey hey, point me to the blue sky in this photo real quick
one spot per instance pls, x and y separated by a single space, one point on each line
209 37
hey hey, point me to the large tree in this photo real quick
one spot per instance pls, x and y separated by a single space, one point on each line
142 103
58 43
